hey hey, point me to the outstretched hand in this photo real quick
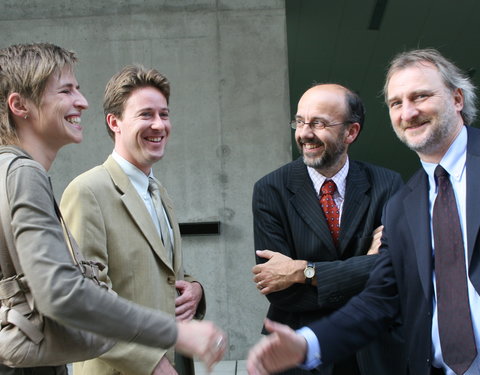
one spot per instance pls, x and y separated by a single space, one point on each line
202 340
281 350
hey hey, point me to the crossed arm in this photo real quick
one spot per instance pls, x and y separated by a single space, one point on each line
280 271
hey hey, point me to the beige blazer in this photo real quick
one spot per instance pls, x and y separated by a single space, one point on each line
112 225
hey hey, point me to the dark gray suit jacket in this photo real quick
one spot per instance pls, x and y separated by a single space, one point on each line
401 280
288 219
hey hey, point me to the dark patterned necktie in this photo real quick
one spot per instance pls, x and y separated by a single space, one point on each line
454 320
330 209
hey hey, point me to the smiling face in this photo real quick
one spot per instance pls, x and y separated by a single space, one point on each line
324 149
142 132
56 121
425 114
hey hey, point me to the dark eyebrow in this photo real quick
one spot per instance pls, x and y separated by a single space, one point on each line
314 118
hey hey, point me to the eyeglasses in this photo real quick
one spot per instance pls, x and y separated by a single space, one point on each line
316 124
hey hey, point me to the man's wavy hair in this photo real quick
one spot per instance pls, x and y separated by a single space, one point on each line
452 76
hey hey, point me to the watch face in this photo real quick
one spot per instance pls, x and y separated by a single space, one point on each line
309 272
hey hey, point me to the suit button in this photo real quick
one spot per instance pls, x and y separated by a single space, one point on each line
171 280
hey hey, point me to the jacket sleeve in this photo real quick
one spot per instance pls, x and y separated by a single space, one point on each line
271 231
58 287
365 316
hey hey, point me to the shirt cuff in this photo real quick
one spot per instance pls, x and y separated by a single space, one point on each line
313 358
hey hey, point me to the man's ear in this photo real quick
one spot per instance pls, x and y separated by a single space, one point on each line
352 132
458 99
17 105
112 122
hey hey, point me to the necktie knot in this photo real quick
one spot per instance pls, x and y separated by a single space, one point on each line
152 185
440 172
328 187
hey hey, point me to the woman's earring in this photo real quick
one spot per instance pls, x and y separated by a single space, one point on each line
25 117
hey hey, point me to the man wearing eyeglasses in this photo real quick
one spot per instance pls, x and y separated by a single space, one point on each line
317 225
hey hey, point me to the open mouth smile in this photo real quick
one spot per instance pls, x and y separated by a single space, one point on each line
75 121
154 139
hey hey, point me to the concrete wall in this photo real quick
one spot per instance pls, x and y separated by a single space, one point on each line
227 62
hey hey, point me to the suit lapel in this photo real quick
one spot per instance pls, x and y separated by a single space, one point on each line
355 205
473 206
136 208
304 200
417 214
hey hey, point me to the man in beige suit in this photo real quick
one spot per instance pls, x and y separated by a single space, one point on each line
116 219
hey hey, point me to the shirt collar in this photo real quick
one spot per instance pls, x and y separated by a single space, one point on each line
454 159
340 178
136 176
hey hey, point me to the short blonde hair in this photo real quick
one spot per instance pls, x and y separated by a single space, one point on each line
25 69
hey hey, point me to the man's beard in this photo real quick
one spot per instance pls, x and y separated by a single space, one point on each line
429 145
330 156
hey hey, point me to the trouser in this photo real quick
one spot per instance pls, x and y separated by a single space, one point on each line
57 370
183 365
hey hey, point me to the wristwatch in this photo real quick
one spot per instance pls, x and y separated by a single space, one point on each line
309 273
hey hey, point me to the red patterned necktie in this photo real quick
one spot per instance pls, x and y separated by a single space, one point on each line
330 209
454 320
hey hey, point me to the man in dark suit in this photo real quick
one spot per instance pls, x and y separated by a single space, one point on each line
306 267
430 102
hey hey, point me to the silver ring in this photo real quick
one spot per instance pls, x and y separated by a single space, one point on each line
218 345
